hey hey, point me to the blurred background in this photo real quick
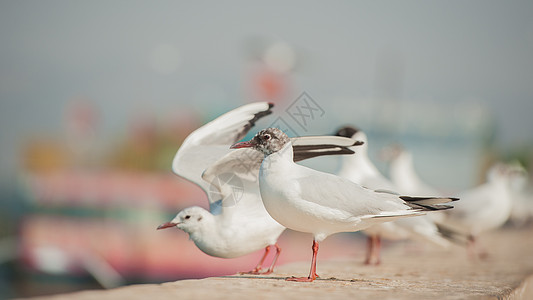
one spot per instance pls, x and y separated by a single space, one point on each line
96 97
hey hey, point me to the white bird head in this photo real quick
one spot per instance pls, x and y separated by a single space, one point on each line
510 172
189 220
267 141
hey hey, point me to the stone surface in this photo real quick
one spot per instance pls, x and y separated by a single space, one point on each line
407 272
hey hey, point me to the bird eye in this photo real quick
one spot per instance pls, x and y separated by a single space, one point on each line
266 137
187 217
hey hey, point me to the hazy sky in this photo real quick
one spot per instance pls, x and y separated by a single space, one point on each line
449 51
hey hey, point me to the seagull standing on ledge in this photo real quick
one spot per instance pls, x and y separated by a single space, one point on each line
237 222
320 203
485 207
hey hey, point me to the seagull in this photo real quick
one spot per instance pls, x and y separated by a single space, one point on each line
522 196
359 169
485 207
307 200
237 222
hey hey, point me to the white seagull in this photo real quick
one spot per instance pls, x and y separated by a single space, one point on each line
237 222
320 203
522 194
485 207
359 169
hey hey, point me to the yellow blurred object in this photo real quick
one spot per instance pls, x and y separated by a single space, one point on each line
45 155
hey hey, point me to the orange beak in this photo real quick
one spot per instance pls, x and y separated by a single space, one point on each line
166 225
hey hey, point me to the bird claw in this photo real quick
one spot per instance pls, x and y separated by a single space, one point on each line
303 279
375 263
484 255
300 279
255 271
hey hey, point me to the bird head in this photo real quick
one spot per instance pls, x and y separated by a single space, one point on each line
267 141
188 220
346 131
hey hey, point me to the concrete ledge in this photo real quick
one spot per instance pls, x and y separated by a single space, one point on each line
523 291
406 273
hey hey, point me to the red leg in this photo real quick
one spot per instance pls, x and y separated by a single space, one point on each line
475 250
373 256
482 252
369 249
312 273
378 250
259 266
271 269
471 247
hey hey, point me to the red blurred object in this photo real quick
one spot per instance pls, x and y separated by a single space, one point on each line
114 215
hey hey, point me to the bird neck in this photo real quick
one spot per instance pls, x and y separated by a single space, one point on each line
402 170
278 160
208 237
358 162
286 153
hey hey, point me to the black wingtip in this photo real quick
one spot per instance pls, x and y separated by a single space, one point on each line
435 206
261 114
452 235
418 203
416 198
251 123
346 131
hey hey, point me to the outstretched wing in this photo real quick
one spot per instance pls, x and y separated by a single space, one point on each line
210 142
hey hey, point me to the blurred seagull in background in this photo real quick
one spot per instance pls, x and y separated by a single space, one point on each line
319 203
485 207
359 169
522 195
237 222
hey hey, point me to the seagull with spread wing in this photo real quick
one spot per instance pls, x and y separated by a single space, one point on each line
237 222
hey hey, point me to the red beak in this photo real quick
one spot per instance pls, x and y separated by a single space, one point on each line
166 225
247 144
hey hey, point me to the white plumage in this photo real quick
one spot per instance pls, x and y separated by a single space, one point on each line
237 222
319 203
358 168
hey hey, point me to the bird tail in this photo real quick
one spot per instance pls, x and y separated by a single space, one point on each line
453 235
428 203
